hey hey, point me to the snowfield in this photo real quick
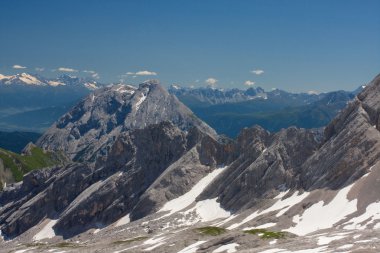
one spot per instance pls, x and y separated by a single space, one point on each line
46 232
188 198
321 215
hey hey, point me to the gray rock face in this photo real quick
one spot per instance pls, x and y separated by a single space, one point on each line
89 130
267 162
351 146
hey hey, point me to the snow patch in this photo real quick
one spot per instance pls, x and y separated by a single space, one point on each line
347 246
139 102
371 214
273 250
323 240
46 232
22 250
208 210
229 248
315 250
126 89
122 221
158 238
188 198
225 220
154 246
267 225
281 205
321 216
192 248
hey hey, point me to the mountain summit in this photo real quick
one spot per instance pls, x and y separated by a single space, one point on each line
92 126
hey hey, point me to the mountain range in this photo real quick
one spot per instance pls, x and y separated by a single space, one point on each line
229 111
146 174
32 103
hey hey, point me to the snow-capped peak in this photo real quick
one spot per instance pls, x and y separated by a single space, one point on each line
55 83
36 80
91 86
2 77
29 79
174 86
313 92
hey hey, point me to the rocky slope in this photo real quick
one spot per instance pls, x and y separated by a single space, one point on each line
159 185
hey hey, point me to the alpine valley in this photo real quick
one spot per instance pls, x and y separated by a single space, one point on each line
133 169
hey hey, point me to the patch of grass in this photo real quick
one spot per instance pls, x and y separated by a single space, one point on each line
22 164
136 239
266 234
35 244
66 245
211 230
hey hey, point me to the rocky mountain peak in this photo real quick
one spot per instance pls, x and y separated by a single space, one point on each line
92 126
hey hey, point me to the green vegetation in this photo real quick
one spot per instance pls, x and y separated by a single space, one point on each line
211 230
66 245
22 164
266 234
135 239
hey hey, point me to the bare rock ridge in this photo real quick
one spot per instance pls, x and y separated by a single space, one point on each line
144 148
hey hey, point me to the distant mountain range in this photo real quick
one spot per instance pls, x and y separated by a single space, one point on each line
32 103
37 80
228 111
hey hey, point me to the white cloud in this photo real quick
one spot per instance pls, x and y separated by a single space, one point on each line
257 71
141 73
211 81
145 73
18 67
249 83
39 69
62 69
89 71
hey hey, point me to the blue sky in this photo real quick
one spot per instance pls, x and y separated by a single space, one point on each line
300 45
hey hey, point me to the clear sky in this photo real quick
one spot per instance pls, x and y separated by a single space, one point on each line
300 45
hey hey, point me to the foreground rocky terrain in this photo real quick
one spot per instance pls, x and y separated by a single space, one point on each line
147 175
